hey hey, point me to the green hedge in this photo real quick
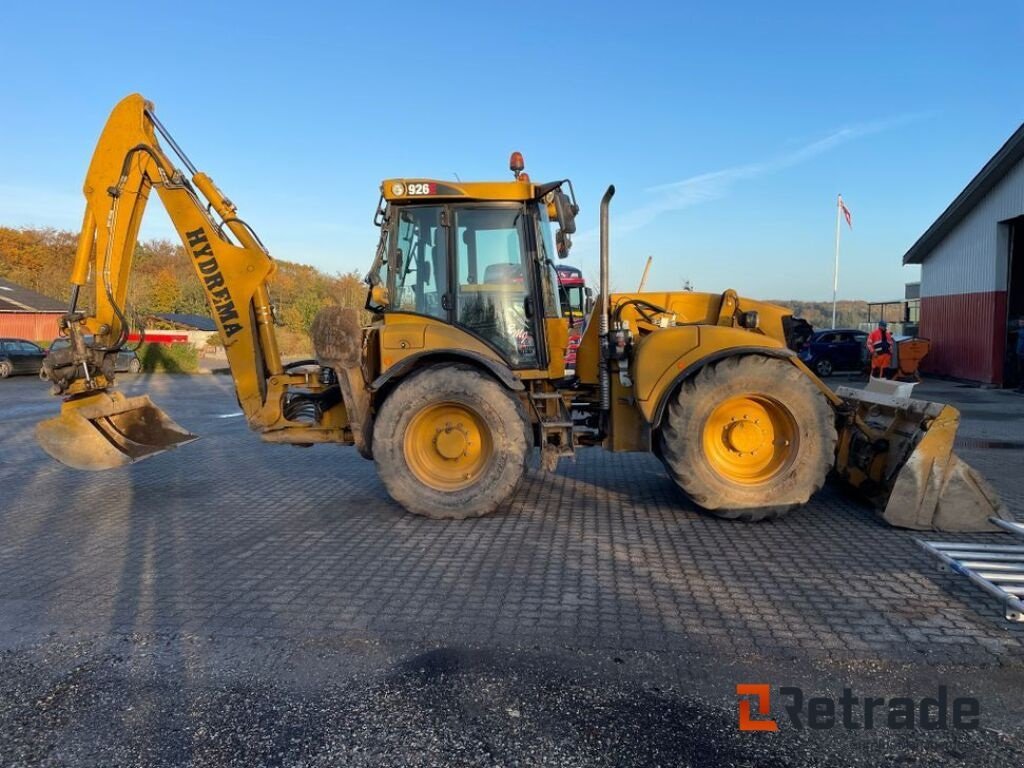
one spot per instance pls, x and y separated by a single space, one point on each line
169 358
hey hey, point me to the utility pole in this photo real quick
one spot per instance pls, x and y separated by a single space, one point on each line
643 277
835 267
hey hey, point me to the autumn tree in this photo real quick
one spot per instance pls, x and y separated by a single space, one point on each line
163 279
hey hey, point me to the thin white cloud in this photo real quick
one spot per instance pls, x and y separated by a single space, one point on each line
714 185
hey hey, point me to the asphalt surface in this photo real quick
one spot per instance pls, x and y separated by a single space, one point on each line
235 603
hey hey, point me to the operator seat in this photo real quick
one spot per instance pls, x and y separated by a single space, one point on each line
503 273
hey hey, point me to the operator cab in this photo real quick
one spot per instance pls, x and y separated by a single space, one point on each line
475 255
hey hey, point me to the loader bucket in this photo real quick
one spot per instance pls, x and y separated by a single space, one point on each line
899 452
107 430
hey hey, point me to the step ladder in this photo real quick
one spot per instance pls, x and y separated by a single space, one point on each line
555 426
996 568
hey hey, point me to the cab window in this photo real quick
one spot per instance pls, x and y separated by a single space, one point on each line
418 263
493 281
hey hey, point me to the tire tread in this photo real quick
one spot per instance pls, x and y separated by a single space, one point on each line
681 442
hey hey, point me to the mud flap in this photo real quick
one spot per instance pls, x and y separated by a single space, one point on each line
899 451
338 339
108 430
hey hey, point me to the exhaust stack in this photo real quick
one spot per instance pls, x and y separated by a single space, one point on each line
605 376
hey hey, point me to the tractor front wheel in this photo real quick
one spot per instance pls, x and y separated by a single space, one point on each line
749 438
451 443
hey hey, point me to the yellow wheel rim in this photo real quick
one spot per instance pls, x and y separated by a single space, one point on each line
448 446
749 439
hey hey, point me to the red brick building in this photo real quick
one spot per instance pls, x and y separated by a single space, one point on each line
25 314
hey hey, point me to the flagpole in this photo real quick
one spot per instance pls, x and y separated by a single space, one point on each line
835 268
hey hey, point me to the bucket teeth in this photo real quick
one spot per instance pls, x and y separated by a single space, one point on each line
943 495
108 430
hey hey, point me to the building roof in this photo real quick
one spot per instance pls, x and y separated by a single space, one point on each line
995 169
14 298
193 322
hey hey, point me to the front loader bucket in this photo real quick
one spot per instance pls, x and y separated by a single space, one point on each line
108 430
899 452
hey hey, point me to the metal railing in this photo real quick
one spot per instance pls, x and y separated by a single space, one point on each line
996 568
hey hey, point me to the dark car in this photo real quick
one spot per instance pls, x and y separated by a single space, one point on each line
837 349
19 356
127 360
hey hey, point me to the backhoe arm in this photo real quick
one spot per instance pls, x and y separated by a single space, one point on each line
127 164
98 428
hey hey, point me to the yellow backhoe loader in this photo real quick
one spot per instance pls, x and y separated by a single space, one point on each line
460 374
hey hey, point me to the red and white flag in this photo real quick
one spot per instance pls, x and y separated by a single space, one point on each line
846 212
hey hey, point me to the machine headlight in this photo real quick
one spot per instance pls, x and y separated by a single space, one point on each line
750 320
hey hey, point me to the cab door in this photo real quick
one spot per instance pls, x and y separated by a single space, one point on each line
493 281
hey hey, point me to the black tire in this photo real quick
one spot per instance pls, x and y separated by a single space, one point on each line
6 369
135 366
823 367
495 408
777 382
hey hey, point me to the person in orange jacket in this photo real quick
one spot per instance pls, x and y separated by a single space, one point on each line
880 345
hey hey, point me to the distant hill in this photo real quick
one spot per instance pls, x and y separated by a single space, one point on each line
849 314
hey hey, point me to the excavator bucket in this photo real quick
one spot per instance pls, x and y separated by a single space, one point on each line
898 451
108 430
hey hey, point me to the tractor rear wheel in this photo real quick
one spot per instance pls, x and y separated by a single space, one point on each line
451 443
749 438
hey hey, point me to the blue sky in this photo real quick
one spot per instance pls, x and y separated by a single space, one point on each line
728 131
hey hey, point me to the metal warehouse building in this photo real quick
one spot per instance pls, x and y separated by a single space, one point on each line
25 314
972 273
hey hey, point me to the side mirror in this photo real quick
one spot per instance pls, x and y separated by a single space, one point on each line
562 244
377 299
565 212
565 215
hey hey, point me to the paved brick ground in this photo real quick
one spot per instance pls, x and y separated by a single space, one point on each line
233 538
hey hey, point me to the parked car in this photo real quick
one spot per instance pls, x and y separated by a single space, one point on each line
20 356
127 360
837 349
